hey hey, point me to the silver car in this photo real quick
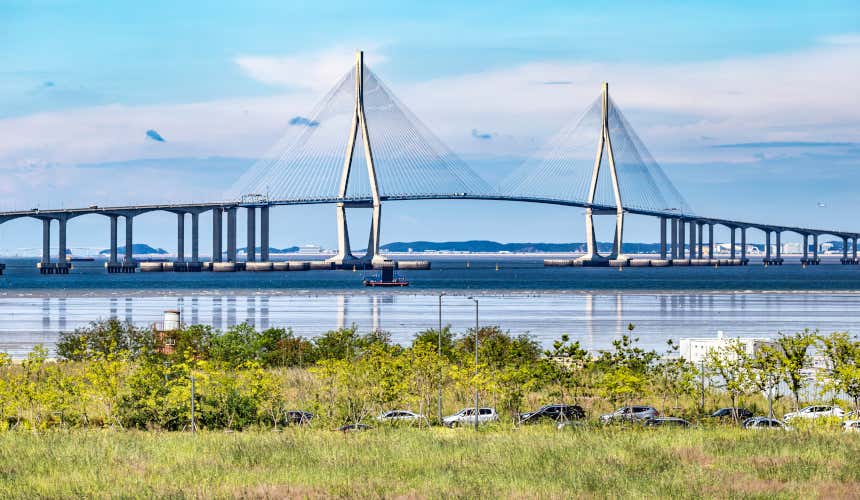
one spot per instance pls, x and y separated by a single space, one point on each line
401 416
631 413
466 416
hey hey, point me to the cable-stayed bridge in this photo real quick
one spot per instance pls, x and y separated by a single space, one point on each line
362 147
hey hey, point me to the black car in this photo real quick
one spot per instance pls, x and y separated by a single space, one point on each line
299 417
742 413
354 427
555 413
666 422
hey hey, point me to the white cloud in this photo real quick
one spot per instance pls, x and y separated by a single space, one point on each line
315 71
806 95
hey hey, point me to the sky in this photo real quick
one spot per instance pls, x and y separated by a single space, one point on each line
752 109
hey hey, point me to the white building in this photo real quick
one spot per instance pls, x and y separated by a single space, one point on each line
696 349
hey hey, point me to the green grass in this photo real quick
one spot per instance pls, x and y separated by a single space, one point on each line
532 462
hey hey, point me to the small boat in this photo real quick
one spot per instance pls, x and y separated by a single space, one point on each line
386 278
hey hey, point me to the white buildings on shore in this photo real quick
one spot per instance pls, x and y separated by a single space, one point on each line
696 350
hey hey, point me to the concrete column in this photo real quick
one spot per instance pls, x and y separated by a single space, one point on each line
844 248
743 243
674 238
732 243
815 246
251 253
195 237
700 253
61 248
693 247
663 238
854 248
264 234
779 244
767 245
129 246
216 234
113 238
805 246
231 234
180 237
711 240
46 241
682 239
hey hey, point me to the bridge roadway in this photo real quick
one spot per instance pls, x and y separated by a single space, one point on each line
676 249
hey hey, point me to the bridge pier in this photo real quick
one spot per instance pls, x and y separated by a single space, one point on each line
674 230
180 237
216 234
732 243
700 240
694 249
231 234
845 243
113 265
815 259
251 246
61 266
853 251
195 239
662 238
744 260
682 239
711 240
264 233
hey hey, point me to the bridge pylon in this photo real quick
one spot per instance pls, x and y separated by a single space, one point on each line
358 130
604 149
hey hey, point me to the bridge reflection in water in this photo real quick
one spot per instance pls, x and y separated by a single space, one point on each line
594 319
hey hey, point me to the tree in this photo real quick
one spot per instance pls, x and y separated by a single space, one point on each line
101 338
566 366
793 353
842 353
674 376
431 336
765 374
730 364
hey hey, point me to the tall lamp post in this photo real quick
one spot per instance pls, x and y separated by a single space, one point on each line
477 410
441 376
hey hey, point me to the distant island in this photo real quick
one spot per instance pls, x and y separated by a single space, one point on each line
471 246
485 246
137 249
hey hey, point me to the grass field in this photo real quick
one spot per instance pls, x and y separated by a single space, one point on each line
526 462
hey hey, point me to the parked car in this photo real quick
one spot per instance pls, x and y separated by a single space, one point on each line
555 413
742 413
631 413
400 416
815 412
354 427
851 426
299 417
666 422
755 423
466 416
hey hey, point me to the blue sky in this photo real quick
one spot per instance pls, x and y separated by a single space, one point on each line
82 84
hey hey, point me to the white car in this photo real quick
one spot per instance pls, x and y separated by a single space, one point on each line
756 423
851 426
466 416
815 412
400 416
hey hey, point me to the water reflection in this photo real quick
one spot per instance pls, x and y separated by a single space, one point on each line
594 319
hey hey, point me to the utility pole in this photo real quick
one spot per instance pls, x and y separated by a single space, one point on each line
702 376
441 376
477 409
193 424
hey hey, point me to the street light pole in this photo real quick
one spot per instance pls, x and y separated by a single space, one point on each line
441 376
477 409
